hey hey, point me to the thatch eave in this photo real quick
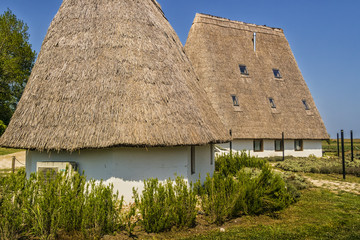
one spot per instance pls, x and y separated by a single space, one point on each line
31 148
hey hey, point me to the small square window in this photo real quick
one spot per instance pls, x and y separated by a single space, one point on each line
243 70
277 73
298 145
272 103
279 145
258 146
305 105
235 100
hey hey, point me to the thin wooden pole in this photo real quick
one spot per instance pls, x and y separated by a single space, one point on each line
352 146
230 143
338 145
283 145
343 152
13 164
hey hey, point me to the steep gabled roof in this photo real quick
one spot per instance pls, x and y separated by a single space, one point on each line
217 46
112 73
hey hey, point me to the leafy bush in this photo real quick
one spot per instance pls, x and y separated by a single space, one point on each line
40 206
218 196
326 165
168 204
2 127
252 189
231 164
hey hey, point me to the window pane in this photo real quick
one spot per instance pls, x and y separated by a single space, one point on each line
278 145
298 145
257 145
235 100
277 73
243 69
306 105
272 103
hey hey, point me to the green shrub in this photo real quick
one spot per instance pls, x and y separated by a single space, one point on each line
218 196
168 204
2 127
324 165
247 192
40 206
231 164
11 205
297 181
100 210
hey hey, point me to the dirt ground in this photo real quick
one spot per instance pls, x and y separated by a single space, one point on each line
336 185
6 160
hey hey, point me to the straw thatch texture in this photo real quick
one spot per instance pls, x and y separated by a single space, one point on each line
112 73
216 48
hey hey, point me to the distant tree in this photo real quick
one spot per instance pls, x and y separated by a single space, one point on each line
2 127
16 61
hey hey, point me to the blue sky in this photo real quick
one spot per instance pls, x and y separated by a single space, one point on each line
323 34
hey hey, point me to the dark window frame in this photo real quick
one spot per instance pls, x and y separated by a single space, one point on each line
235 100
243 69
272 102
261 145
281 145
301 145
193 170
306 105
211 154
277 73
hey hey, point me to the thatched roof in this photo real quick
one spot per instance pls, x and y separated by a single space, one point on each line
216 48
112 73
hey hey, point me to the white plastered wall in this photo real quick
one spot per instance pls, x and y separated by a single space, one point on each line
128 167
310 147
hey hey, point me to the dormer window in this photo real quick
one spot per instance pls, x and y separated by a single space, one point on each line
235 100
305 105
276 73
272 103
243 70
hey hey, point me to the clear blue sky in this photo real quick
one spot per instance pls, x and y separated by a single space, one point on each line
323 34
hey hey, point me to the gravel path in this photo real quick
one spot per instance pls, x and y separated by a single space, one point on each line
336 185
331 185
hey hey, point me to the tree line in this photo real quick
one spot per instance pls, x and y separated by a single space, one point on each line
16 62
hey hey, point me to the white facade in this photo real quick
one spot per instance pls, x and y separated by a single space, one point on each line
310 147
128 167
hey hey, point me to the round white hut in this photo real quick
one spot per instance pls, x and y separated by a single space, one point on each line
113 92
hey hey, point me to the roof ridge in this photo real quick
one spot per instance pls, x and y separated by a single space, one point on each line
239 22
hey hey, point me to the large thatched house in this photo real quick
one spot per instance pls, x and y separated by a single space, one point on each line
252 80
113 92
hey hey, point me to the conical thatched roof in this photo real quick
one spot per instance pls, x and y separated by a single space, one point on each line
216 48
112 73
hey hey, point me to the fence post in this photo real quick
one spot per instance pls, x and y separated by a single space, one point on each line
343 152
13 164
352 146
338 145
283 145
230 142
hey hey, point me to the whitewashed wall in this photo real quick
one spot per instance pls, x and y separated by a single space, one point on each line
313 147
128 167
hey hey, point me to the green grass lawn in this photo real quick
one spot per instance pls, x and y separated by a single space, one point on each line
5 151
319 214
